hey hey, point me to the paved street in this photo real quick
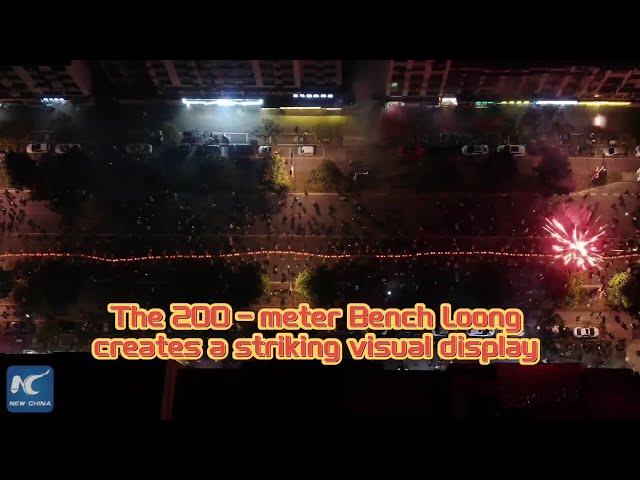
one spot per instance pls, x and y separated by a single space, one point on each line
253 216
367 223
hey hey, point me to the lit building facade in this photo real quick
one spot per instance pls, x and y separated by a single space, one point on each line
429 80
30 82
175 79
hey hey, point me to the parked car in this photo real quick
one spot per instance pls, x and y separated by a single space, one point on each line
65 147
586 332
638 174
37 148
206 150
613 151
515 150
192 137
481 333
307 150
184 148
241 150
138 149
475 150
636 151
264 150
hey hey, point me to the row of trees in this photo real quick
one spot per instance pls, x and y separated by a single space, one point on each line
276 176
88 287
623 290
471 284
482 284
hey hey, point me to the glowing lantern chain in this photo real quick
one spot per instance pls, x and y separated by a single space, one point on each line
256 253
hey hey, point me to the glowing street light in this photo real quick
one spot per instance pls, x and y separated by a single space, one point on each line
223 102
558 103
600 121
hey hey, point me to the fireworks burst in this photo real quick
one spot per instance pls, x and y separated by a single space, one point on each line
578 247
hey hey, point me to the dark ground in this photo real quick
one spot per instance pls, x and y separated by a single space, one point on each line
87 389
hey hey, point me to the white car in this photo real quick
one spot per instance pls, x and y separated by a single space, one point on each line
37 148
475 150
586 332
615 151
637 151
515 150
481 333
264 150
307 150
138 149
65 147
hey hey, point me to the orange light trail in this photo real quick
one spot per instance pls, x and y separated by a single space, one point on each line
209 256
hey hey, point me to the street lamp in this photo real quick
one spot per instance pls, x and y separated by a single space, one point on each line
600 121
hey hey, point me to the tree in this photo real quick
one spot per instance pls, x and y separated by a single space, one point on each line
171 134
500 166
48 331
267 131
275 175
265 286
509 131
62 128
623 290
627 140
6 283
64 179
327 175
530 122
21 169
318 284
574 290
554 165
18 129
50 287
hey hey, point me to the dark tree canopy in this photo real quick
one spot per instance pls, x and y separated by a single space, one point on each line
22 170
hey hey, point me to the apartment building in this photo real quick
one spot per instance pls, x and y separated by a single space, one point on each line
429 80
210 78
32 81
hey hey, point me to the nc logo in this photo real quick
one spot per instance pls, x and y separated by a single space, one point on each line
27 383
30 389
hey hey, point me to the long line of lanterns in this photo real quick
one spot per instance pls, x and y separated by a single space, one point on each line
213 256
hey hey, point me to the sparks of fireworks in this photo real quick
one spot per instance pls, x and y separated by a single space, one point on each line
578 247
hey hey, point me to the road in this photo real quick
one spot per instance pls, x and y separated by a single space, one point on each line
441 216
444 221
614 164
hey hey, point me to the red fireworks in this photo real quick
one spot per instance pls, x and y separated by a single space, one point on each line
578 247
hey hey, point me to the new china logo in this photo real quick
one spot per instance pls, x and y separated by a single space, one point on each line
30 389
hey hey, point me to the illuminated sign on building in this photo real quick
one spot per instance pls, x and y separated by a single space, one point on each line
223 102
604 104
313 95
